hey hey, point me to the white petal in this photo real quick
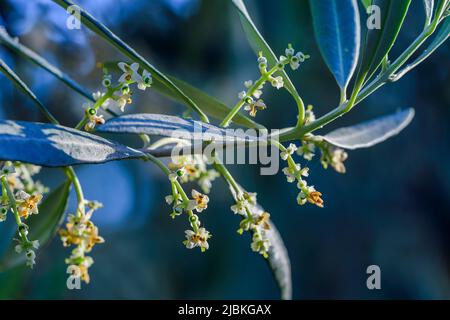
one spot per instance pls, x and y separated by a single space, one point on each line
134 66
122 66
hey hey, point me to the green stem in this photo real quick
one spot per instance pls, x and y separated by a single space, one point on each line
227 176
12 202
70 172
109 93
180 189
301 110
226 121
343 95
378 82
159 163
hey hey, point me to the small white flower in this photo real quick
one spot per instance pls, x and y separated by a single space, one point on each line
254 106
289 175
306 150
191 205
3 212
197 239
18 248
242 95
260 245
200 201
256 93
297 59
284 60
262 59
31 256
35 244
107 80
289 52
289 151
123 100
250 197
94 120
22 195
239 207
97 95
262 63
277 82
338 156
145 81
169 199
130 72
8 169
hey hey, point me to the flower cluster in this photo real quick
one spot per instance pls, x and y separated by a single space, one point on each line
17 177
295 173
194 168
116 96
81 232
21 177
330 155
254 219
198 236
250 98
333 156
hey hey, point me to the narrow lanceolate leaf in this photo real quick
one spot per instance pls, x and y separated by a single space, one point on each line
258 43
11 75
171 126
384 24
279 262
428 6
43 226
100 29
441 36
337 28
370 133
366 3
57 146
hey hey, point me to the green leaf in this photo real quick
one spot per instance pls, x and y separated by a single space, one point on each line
11 75
57 146
279 262
441 36
428 6
42 226
366 3
101 30
379 42
372 132
337 30
170 126
258 44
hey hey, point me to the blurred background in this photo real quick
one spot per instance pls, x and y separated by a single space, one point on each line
392 208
